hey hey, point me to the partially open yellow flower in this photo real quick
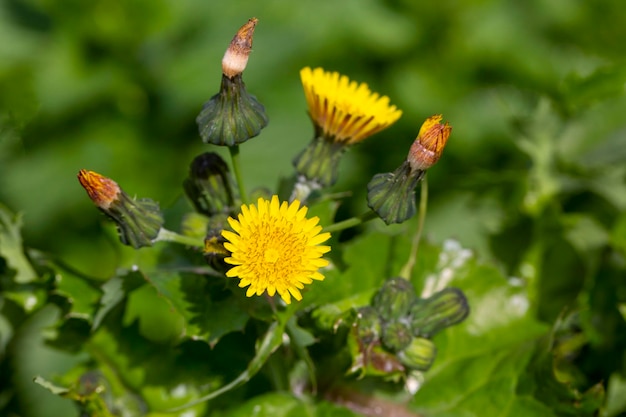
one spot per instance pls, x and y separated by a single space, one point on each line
344 110
274 247
103 191
428 147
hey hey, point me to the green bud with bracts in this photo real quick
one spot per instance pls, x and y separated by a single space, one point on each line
443 309
368 325
391 195
210 186
138 221
394 299
396 336
214 250
419 354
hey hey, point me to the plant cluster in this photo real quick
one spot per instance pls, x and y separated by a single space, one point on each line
258 305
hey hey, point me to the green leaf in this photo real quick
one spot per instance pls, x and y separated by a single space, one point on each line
272 405
265 347
365 263
486 365
11 247
616 396
80 295
190 296
114 291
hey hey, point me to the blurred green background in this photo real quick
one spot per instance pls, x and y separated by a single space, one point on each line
533 176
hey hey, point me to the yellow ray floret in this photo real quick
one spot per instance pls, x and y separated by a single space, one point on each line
345 110
275 248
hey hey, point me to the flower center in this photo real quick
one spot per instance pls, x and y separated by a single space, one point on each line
271 255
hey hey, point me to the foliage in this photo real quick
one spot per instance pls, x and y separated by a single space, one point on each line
527 213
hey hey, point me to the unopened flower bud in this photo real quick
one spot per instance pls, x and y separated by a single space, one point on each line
368 325
214 250
102 191
392 194
428 147
419 354
394 299
138 221
443 309
236 56
209 186
233 116
396 336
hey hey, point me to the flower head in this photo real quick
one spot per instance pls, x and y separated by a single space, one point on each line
343 113
102 191
344 110
233 116
138 221
392 194
274 247
428 146
236 56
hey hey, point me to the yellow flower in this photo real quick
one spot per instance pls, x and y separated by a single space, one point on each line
344 110
274 247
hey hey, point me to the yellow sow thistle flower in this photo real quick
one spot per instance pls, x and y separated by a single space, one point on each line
343 112
275 248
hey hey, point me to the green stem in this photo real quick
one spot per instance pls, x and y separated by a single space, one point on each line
169 236
234 156
408 267
351 222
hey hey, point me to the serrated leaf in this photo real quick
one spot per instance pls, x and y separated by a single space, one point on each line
190 296
486 365
265 347
81 295
115 291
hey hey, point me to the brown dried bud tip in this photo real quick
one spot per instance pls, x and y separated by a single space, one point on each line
103 191
236 56
428 147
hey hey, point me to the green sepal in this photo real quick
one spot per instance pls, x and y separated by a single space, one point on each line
392 194
319 161
138 221
396 336
232 116
210 186
214 250
443 309
419 354
368 325
394 299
